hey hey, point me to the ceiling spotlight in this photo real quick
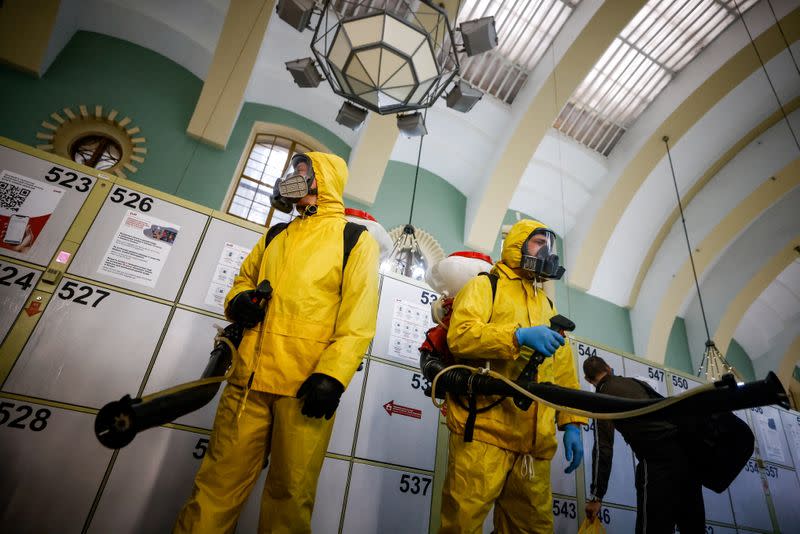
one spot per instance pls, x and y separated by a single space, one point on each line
297 13
304 72
479 35
463 97
351 116
412 124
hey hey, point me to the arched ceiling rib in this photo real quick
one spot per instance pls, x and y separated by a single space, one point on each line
749 257
470 150
687 198
487 208
653 318
600 227
721 127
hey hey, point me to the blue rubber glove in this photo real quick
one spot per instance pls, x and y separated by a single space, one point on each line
573 447
539 338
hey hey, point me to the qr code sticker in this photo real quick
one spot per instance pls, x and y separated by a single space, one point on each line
12 197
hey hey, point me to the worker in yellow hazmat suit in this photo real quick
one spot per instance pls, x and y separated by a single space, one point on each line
506 464
295 359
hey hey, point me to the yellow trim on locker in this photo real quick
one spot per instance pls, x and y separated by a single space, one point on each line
48 402
394 467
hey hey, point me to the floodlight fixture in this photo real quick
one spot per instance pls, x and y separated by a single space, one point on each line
412 124
304 72
351 116
479 35
463 97
297 13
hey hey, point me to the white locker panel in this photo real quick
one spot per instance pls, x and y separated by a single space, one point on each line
622 481
680 384
327 506
16 285
617 520
488 524
716 529
398 423
150 482
560 482
768 428
565 516
388 501
224 246
655 376
718 506
749 502
183 357
344 428
404 315
52 467
91 346
791 427
621 488
784 488
63 186
156 266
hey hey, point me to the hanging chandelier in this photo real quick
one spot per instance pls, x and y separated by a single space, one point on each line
388 56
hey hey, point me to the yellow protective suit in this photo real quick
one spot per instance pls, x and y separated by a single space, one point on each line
508 463
319 320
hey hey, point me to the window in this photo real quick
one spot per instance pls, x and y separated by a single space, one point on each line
97 151
268 159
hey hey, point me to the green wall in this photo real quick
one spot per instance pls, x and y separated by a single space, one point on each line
438 206
159 96
595 319
678 356
738 358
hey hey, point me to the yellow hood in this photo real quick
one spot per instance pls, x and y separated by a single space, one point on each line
331 173
512 246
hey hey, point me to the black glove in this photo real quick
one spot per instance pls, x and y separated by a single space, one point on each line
245 309
321 393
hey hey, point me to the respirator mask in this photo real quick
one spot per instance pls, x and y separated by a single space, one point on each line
544 263
294 184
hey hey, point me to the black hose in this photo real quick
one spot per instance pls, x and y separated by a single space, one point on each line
118 422
726 396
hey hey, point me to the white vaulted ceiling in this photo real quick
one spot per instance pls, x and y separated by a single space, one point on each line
617 212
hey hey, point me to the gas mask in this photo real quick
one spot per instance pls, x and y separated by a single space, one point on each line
544 264
294 184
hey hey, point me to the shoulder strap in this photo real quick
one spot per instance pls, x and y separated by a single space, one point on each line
492 280
352 231
273 231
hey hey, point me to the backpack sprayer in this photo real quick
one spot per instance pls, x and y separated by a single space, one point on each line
118 422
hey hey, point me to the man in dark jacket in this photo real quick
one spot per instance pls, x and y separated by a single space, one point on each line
668 491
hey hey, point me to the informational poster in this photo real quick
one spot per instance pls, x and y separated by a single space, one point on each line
139 249
767 421
25 207
410 321
230 260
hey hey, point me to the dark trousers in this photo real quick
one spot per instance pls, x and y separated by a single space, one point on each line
668 493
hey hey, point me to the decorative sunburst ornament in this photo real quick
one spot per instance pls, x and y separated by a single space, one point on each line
100 141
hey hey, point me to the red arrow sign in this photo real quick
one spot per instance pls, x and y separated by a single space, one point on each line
33 308
391 408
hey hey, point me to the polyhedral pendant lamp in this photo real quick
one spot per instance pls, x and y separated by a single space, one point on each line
388 56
